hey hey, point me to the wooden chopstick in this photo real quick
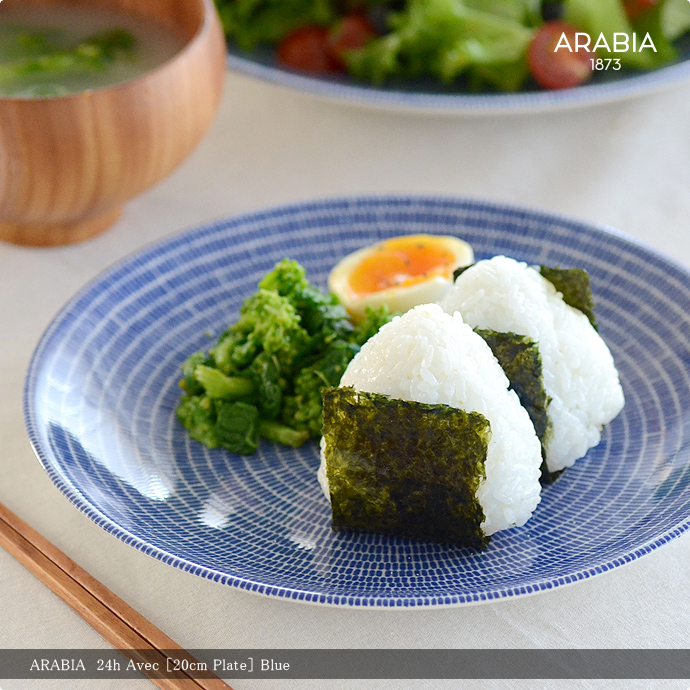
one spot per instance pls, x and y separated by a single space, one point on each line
122 626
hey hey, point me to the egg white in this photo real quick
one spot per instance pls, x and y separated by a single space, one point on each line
399 298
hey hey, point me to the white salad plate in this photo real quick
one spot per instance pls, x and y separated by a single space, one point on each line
102 388
428 96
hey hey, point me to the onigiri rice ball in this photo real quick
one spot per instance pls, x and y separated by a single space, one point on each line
429 356
579 374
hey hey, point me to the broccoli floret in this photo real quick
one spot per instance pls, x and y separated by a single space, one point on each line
374 318
189 383
198 416
287 279
273 324
322 315
324 318
218 385
268 323
303 410
279 433
269 385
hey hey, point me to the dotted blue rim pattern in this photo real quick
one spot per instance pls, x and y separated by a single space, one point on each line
101 391
427 97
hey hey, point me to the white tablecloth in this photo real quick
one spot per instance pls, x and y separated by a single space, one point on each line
624 164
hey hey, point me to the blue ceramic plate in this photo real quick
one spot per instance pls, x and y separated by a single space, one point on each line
103 385
429 96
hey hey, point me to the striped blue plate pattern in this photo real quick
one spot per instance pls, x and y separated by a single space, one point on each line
102 388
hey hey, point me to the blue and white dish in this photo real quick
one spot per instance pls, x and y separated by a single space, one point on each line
102 389
427 96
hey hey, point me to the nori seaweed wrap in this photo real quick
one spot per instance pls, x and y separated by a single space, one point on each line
404 468
519 358
573 284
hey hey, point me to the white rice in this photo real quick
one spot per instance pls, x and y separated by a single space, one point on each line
580 377
431 357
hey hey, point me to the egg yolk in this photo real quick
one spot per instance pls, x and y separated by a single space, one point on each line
400 262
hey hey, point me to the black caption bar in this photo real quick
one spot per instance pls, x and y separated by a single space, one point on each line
360 664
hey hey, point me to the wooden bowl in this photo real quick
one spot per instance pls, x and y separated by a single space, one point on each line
68 163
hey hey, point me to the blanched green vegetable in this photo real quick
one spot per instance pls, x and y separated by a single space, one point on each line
264 376
199 414
237 426
218 385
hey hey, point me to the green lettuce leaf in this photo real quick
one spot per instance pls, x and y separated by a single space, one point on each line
250 22
675 18
447 38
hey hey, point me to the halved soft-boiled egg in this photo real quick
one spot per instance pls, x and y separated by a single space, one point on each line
400 272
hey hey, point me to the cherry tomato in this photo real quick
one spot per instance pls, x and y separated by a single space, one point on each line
352 31
634 8
305 49
558 69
